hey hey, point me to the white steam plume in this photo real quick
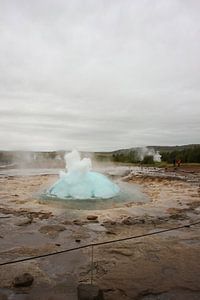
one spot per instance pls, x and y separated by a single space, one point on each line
142 152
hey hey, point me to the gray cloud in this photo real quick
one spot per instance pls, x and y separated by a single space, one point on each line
98 75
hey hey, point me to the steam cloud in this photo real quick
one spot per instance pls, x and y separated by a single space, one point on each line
142 152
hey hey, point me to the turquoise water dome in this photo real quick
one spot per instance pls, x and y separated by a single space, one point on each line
79 182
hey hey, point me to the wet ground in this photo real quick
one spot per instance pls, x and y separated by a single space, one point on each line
164 266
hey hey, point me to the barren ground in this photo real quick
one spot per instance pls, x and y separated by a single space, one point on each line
164 266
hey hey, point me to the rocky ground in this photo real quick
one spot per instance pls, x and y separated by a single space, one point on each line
164 266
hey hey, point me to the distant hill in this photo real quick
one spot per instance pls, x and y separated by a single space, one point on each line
159 148
174 148
187 153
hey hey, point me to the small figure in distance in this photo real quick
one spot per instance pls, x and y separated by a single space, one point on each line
174 162
179 162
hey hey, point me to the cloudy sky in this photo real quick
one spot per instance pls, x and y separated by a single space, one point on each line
99 74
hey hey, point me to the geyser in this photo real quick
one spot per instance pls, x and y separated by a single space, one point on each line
79 182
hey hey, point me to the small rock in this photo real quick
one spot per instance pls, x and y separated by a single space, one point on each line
89 292
26 279
92 217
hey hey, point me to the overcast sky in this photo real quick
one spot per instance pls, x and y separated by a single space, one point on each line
99 75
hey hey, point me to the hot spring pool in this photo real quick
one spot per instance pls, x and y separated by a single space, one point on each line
129 193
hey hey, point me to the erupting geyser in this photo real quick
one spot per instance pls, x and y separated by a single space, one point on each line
79 182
